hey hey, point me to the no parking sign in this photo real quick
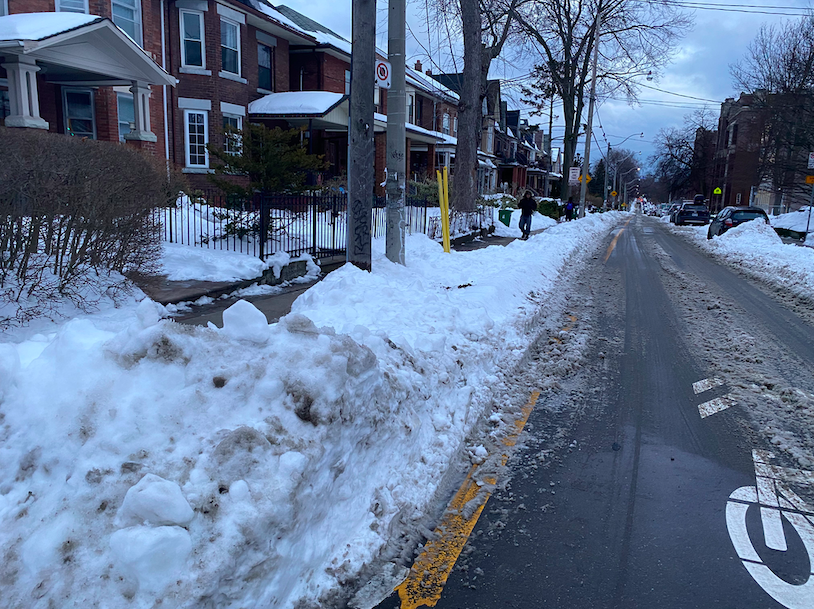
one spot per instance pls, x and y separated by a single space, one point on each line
383 74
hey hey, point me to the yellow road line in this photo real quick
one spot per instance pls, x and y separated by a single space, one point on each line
429 573
615 239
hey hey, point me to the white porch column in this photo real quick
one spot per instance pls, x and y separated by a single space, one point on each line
141 110
23 97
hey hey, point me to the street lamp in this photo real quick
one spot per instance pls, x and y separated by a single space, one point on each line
624 196
622 175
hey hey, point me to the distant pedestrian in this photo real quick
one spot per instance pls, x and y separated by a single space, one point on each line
527 207
569 209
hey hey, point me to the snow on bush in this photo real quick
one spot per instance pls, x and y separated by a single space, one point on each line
146 462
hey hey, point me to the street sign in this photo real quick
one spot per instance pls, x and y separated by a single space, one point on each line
573 176
717 191
614 193
809 179
811 160
587 180
383 74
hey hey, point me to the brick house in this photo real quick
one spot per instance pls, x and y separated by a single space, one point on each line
198 66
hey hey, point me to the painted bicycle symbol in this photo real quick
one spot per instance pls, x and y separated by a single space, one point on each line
777 502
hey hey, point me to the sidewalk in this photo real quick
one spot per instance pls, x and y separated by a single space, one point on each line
275 306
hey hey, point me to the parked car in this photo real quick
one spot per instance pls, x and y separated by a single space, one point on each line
671 211
692 213
729 217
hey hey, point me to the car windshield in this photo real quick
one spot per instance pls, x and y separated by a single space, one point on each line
745 215
694 208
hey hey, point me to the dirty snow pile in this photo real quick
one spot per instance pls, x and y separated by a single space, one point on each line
755 248
144 462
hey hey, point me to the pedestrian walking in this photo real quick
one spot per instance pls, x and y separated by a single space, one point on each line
527 207
569 209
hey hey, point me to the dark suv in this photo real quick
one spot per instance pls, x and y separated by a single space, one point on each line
692 213
732 216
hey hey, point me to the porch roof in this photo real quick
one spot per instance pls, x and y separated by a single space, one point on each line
74 48
324 109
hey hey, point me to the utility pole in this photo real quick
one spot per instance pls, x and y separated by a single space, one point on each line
605 188
361 146
586 163
548 145
396 133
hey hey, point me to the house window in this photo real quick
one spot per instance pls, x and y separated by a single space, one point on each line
411 108
490 139
445 124
347 82
196 132
192 40
230 46
265 65
419 114
3 9
455 126
231 139
377 99
72 6
5 106
127 15
127 114
77 105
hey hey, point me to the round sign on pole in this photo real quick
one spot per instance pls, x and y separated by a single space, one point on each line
383 74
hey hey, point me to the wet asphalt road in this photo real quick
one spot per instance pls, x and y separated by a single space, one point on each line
632 515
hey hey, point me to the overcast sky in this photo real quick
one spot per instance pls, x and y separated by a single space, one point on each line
700 69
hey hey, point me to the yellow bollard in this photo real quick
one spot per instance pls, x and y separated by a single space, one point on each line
445 212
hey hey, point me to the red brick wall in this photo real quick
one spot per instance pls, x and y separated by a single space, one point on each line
31 6
333 74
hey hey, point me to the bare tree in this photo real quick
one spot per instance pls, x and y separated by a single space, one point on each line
636 38
486 27
683 157
778 70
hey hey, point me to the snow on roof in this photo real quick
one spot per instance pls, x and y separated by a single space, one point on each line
38 26
296 102
429 84
317 30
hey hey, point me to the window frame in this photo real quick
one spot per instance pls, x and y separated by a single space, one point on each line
187 147
201 22
270 68
3 8
65 117
236 25
119 97
138 22
347 82
445 123
226 140
60 9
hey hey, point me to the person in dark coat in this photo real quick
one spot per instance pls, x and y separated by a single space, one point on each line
569 209
527 207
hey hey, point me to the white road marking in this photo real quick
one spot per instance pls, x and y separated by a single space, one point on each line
706 385
715 405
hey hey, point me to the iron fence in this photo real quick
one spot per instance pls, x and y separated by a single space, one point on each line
265 224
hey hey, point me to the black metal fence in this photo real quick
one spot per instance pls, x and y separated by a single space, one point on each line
315 224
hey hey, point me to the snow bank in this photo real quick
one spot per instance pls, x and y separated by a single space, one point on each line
797 221
755 248
185 262
143 461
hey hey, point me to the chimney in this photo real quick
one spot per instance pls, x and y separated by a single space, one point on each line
417 65
428 72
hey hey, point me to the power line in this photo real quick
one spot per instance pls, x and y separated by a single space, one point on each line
795 11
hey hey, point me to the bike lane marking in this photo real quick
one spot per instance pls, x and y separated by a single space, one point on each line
706 384
774 499
428 575
714 405
615 239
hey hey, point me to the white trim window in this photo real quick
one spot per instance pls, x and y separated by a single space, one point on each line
192 39
196 136
72 6
411 108
126 112
3 8
347 82
79 112
455 126
127 15
230 46
445 124
232 141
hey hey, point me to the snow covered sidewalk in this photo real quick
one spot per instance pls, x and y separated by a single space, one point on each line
145 461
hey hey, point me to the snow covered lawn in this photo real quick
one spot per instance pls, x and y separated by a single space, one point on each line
755 248
143 461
